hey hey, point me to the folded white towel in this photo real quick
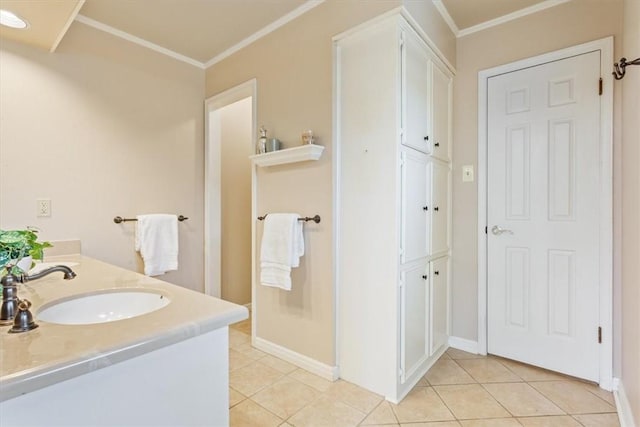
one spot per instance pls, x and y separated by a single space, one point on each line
281 249
157 241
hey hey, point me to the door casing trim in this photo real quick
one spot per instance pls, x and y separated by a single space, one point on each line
605 46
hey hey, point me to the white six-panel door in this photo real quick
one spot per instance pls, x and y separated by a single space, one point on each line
543 215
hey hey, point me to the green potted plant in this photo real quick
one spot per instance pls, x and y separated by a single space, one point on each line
16 245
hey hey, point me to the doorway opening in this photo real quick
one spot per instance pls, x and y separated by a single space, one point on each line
230 124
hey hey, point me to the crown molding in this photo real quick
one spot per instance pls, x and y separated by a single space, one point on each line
300 10
445 15
66 26
137 40
511 16
493 22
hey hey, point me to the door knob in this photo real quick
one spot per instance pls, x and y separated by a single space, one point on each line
424 276
498 231
425 208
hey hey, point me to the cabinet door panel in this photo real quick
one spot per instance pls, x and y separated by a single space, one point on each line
414 201
441 89
414 314
440 208
416 93
439 304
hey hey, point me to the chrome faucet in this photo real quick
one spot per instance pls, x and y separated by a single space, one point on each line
10 300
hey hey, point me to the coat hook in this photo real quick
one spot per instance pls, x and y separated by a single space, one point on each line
619 68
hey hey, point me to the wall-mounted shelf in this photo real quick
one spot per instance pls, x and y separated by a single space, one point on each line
288 155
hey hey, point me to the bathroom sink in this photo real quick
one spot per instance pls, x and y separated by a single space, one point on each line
102 307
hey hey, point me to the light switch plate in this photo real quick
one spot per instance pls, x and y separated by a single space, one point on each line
467 173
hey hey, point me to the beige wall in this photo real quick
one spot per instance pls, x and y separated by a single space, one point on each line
102 128
631 209
293 67
236 146
562 26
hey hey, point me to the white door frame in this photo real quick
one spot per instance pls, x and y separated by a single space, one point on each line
605 46
213 187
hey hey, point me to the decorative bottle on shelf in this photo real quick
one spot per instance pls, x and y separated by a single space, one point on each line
262 141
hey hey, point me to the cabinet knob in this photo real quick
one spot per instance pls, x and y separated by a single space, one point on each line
437 273
425 208
437 144
424 276
426 138
436 209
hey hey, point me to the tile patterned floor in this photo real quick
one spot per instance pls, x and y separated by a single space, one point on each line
461 390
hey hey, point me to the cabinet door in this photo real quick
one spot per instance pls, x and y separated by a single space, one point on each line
414 227
441 104
414 315
415 91
439 298
439 208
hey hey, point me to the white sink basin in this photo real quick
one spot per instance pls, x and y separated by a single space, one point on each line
102 307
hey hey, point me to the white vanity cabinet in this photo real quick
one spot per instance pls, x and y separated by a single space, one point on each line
393 197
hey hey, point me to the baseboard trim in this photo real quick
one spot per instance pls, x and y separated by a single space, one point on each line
322 370
464 344
622 405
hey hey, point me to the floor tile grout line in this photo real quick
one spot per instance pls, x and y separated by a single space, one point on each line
524 416
303 406
455 417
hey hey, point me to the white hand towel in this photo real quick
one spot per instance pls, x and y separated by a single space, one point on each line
157 241
281 249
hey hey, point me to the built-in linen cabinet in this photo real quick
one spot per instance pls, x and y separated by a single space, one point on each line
393 196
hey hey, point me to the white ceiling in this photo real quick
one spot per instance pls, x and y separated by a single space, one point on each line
203 31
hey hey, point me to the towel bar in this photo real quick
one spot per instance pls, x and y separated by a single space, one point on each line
315 218
119 219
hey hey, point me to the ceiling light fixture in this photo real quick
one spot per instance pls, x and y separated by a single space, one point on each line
12 20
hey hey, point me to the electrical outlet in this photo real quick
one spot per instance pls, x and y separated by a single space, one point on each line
43 207
467 173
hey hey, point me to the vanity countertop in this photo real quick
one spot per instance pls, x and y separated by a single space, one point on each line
52 352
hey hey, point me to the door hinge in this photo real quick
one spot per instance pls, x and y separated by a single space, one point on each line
599 334
400 372
485 230
600 87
